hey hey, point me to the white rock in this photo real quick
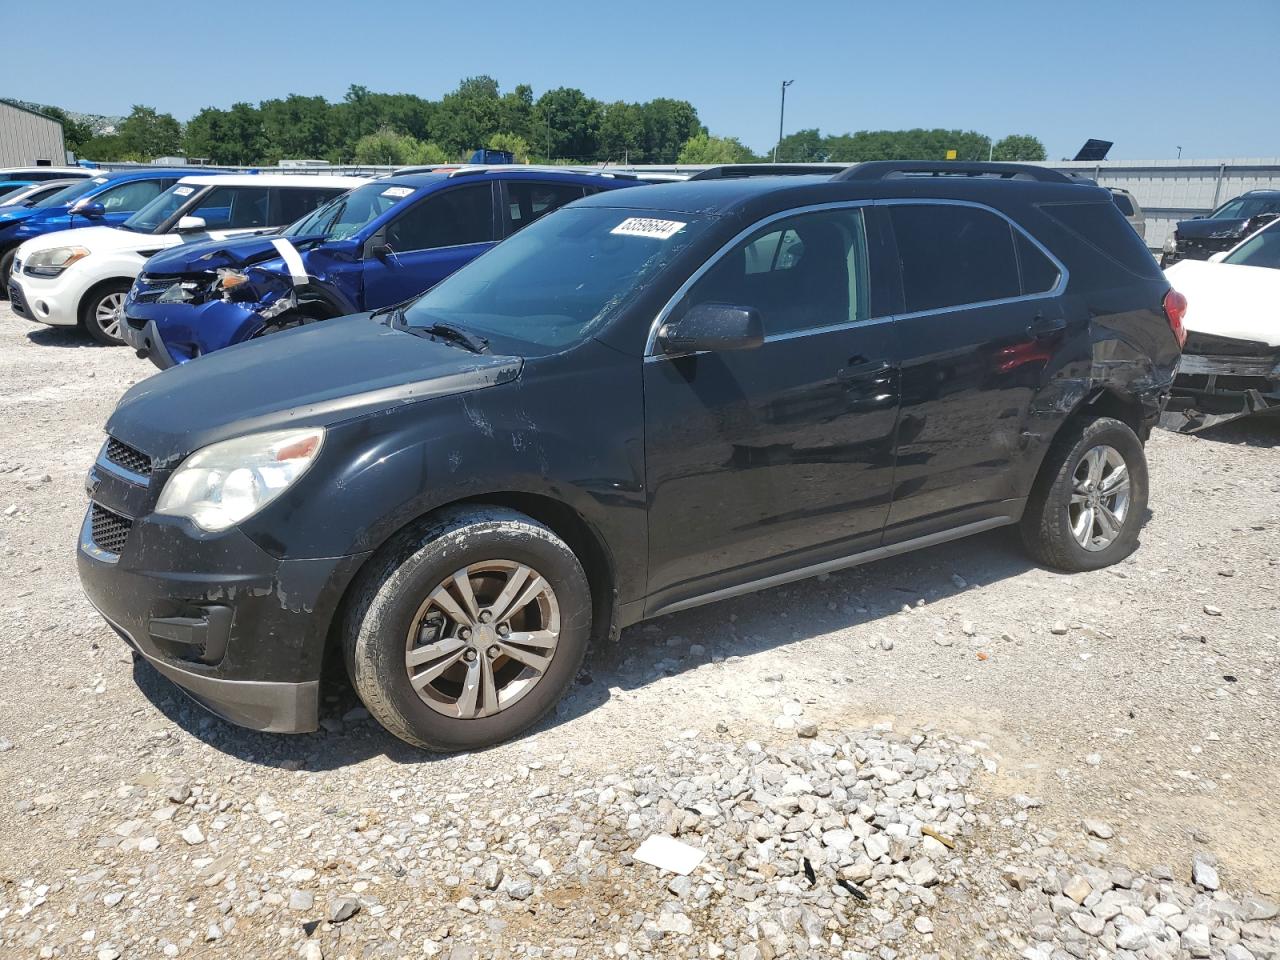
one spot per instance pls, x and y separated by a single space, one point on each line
192 834
667 853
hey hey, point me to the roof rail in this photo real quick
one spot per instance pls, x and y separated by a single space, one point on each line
882 169
729 171
472 169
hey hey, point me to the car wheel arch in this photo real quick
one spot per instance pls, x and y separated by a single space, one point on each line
566 522
94 290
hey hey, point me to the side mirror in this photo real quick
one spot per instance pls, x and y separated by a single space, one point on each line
715 327
91 209
188 224
377 246
1218 257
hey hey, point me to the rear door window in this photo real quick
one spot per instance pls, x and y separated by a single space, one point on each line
1039 273
232 208
953 255
453 218
527 200
293 203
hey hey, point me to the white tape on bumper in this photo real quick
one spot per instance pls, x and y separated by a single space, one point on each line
292 259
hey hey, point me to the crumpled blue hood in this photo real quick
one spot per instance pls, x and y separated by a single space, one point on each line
208 255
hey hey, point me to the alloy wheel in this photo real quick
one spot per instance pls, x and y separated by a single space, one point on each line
108 314
482 639
1099 497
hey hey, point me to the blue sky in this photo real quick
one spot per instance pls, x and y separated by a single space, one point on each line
1150 76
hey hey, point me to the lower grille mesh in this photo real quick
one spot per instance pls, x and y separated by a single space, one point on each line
109 530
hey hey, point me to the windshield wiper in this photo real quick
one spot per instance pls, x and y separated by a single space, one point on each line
446 332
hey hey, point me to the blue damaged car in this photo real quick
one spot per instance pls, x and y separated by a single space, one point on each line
378 245
105 200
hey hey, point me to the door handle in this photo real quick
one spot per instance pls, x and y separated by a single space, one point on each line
1043 326
862 369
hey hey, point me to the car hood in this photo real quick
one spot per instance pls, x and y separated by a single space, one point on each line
208 255
1227 300
1204 228
95 240
315 375
10 215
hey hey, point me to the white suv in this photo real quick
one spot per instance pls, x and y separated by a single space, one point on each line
80 277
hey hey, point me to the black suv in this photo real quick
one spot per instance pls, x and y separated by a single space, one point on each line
647 400
1201 237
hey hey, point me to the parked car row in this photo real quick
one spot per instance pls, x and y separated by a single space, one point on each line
1202 237
644 398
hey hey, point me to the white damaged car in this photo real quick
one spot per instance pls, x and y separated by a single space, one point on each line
1230 364
80 277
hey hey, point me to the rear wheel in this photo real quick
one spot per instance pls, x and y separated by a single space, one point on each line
102 311
469 629
1090 498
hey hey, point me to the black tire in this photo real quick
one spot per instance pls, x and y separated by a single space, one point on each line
1046 524
91 305
387 601
6 268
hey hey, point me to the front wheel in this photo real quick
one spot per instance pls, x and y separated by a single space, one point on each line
1090 498
468 629
6 268
102 311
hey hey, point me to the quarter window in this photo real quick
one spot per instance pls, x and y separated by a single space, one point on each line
954 255
527 200
449 219
801 273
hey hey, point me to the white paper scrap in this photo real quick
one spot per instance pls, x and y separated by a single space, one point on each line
667 853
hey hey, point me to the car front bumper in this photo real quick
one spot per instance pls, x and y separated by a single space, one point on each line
1209 390
242 632
172 333
52 300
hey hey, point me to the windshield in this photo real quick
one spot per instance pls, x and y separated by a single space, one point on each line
1242 208
345 215
161 208
8 196
1260 250
73 192
558 280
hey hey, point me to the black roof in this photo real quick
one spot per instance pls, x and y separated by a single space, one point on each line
760 196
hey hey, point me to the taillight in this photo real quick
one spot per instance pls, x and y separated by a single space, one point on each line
1175 308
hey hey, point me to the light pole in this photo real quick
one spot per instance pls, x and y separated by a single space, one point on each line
1179 153
782 112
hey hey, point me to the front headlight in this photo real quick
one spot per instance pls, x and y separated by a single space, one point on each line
52 261
228 279
226 482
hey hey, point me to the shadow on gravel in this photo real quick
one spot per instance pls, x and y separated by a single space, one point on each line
1256 431
731 628
63 337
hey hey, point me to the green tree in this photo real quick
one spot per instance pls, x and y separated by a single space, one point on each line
427 153
568 124
668 125
622 132
385 146
513 142
803 146
226 136
103 148
298 128
1018 146
468 116
515 112
704 148
147 134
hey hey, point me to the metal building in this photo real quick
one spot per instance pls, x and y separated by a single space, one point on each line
28 138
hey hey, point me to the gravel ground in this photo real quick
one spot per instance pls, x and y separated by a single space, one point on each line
952 754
